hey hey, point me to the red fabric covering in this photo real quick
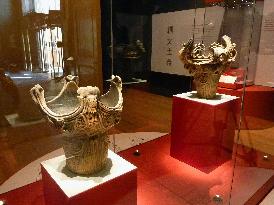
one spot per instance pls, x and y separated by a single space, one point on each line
162 180
31 194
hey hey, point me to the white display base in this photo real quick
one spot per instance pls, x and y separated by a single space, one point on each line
219 99
117 182
72 184
268 200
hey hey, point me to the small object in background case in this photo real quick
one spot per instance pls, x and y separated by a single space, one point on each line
233 78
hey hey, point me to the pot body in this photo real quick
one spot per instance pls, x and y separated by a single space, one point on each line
206 84
85 154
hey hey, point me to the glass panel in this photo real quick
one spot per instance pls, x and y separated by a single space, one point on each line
31 53
208 121
193 164
41 42
253 174
197 119
130 42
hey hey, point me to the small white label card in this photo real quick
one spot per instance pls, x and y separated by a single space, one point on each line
228 79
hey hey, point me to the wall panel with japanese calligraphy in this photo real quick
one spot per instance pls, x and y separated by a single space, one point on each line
265 69
170 30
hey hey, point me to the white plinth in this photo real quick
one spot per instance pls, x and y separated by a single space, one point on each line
219 99
74 189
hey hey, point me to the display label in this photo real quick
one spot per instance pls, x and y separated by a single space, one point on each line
228 79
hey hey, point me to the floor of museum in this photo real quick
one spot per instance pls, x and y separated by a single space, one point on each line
161 178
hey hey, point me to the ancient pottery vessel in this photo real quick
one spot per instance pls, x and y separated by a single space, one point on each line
84 116
207 69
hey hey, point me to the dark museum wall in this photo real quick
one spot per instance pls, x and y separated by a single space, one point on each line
136 17
10 37
148 7
106 38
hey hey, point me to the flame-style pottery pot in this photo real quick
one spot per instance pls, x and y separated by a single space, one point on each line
84 116
207 69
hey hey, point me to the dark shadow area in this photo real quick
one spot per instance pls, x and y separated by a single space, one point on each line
217 97
103 173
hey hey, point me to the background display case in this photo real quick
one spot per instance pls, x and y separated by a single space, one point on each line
187 150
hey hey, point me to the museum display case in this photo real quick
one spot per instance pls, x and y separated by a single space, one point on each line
136 102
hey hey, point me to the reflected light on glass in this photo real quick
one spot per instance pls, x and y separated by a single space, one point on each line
21 77
265 157
217 199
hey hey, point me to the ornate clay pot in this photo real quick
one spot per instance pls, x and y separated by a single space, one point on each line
84 116
207 69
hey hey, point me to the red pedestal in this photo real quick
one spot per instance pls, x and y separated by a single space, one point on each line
258 106
116 185
202 130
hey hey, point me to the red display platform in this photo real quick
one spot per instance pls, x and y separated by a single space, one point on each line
163 180
258 106
116 184
202 130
